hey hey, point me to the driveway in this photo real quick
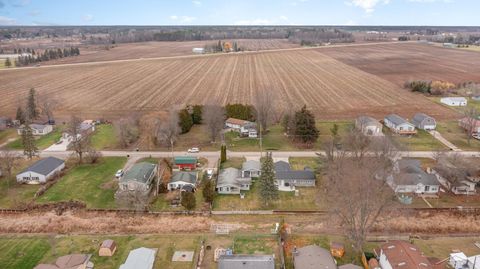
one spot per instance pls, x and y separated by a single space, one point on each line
444 141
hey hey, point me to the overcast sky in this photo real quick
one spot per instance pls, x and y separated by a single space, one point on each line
240 12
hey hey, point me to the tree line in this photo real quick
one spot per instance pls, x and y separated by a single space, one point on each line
46 55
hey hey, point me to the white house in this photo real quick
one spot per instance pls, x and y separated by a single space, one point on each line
249 130
41 171
230 182
454 101
182 180
409 177
368 126
251 168
459 260
399 125
198 50
37 129
235 124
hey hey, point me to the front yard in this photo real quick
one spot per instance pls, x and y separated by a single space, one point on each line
42 142
456 135
104 137
422 141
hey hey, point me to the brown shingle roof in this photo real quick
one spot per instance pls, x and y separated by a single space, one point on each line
403 255
236 121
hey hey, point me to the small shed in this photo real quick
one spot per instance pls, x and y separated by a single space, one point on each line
107 248
186 162
337 249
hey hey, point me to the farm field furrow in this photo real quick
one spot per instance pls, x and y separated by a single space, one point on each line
331 88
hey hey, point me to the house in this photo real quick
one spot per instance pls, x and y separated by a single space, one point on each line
41 171
249 130
198 50
287 179
37 129
180 180
230 182
368 126
399 125
87 127
459 260
251 168
458 180
470 124
107 248
72 261
424 122
454 101
186 162
409 177
402 255
138 178
235 124
313 257
238 261
140 258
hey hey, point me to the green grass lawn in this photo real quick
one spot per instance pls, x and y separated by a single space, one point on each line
22 252
92 184
13 194
42 142
104 137
235 162
7 134
260 244
422 141
456 135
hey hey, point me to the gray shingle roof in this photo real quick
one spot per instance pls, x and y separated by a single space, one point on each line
140 172
231 176
45 166
190 177
412 174
251 165
246 262
397 120
419 118
282 166
290 175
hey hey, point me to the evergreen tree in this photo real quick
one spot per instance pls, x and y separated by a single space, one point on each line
197 114
28 141
305 129
32 111
223 153
185 121
208 192
8 63
188 200
20 115
334 132
268 190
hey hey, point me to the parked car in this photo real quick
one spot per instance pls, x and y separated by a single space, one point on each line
119 173
194 150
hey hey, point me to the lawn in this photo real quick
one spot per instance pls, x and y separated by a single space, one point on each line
299 163
235 162
7 134
42 142
104 137
456 135
13 194
422 141
22 252
92 184
197 137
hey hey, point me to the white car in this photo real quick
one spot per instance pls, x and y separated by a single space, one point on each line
194 150
119 173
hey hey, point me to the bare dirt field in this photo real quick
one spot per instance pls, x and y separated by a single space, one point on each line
332 89
401 62
162 49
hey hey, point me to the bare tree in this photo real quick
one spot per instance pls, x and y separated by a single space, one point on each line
357 188
137 200
168 130
455 167
127 130
470 121
93 156
264 108
214 118
80 139
48 104
8 162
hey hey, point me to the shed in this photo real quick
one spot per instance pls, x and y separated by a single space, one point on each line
186 162
107 248
140 258
3 123
454 101
337 249
424 122
41 171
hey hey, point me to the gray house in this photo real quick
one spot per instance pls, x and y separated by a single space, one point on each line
238 261
251 169
183 181
399 125
138 178
409 177
424 122
368 126
313 257
41 171
287 179
230 182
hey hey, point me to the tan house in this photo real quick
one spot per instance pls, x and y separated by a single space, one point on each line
72 261
107 248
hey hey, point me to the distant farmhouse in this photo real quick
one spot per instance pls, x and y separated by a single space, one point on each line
37 129
454 101
245 128
41 171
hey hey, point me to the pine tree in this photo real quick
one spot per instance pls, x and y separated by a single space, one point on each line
185 121
188 200
223 153
8 63
268 190
197 114
32 111
207 191
20 115
28 141
305 129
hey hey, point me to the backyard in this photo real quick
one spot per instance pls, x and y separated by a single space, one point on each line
92 184
12 194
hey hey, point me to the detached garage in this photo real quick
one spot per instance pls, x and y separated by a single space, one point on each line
41 171
424 122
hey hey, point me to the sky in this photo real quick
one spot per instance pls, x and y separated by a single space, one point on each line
240 12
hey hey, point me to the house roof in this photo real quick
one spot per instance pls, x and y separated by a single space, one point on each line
236 121
140 172
282 166
190 177
402 255
350 266
455 99
66 262
313 257
420 117
185 160
367 121
246 262
395 119
140 258
251 165
231 176
290 175
44 166
410 173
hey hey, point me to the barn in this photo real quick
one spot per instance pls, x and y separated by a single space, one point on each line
41 171
186 162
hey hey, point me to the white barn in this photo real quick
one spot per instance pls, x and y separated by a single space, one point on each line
41 171
454 101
